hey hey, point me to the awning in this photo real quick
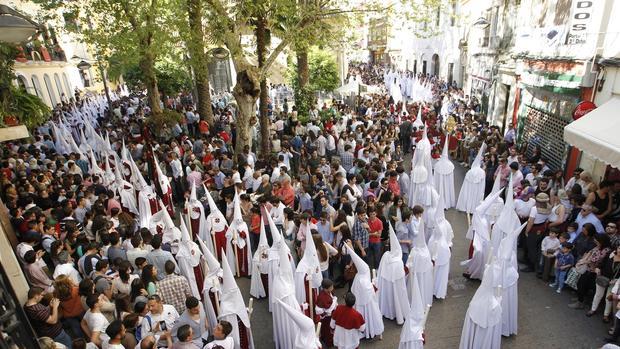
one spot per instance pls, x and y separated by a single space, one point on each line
596 133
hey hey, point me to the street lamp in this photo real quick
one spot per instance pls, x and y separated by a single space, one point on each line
84 65
14 26
481 23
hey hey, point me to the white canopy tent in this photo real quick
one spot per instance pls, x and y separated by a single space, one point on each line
596 133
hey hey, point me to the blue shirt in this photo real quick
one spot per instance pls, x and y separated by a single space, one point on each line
219 180
565 259
326 234
305 202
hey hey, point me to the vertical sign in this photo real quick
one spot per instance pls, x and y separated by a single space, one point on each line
580 21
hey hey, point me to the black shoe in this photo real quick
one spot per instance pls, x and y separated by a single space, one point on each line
610 339
527 270
467 276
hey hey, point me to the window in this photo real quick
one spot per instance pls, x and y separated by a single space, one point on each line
59 86
37 87
67 85
438 17
22 82
50 90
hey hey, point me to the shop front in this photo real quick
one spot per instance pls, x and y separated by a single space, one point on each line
549 92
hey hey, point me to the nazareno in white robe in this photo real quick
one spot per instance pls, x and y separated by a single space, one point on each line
237 243
260 265
472 190
482 328
412 333
233 310
273 264
439 247
211 283
391 282
443 178
308 272
366 302
510 277
283 289
479 232
420 267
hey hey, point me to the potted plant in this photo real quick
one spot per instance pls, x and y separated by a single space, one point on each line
21 56
40 47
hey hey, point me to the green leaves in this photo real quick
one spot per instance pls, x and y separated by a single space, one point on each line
29 109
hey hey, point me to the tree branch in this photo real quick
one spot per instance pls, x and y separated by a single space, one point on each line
131 18
273 56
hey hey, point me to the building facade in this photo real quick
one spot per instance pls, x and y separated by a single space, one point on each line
528 62
54 64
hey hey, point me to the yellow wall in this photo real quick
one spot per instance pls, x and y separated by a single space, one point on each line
12 268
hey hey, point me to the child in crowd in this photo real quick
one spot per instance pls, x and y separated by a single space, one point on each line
326 302
571 229
548 248
564 260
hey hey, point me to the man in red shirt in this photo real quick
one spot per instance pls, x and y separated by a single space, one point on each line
374 239
287 193
393 183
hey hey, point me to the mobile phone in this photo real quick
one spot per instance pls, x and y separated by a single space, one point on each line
162 326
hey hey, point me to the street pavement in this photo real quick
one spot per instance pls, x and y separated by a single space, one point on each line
545 321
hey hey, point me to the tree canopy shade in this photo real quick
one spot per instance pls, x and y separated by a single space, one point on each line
171 78
130 31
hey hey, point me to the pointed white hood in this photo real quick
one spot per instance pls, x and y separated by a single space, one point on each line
419 256
94 167
395 249
508 218
507 253
485 308
213 265
480 226
413 329
284 283
444 166
478 160
231 300
275 233
310 264
362 286
418 121
215 218
360 265
238 225
138 181
391 266
187 248
164 182
306 337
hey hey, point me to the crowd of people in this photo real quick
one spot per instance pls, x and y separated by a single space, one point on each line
94 198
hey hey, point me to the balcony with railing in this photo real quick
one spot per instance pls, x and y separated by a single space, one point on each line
42 53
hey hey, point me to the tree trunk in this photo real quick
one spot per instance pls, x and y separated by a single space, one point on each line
303 74
246 92
262 40
303 96
198 60
147 64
